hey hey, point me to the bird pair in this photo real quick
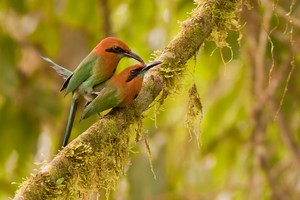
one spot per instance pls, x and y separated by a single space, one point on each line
93 81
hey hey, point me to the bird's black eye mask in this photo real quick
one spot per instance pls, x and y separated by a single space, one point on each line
134 73
115 49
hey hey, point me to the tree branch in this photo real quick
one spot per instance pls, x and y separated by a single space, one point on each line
96 159
105 14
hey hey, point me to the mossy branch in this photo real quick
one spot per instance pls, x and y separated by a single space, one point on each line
96 159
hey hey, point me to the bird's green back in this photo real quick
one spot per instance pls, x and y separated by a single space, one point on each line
83 72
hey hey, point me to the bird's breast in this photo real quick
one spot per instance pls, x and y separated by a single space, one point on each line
131 90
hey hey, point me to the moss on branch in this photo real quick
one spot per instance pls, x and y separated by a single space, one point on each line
95 160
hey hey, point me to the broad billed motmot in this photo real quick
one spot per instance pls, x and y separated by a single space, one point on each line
93 70
119 91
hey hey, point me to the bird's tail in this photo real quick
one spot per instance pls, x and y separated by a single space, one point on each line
63 72
72 113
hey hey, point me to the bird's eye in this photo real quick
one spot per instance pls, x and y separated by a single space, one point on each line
117 49
133 72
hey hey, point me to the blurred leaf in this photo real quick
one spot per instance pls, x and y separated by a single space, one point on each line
47 37
84 14
59 181
17 5
8 71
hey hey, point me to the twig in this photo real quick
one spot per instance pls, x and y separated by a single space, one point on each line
105 14
286 133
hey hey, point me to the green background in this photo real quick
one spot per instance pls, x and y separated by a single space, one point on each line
243 153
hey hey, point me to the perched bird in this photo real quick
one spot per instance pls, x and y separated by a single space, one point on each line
118 91
94 69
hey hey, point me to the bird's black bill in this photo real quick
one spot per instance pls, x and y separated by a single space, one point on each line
150 65
130 54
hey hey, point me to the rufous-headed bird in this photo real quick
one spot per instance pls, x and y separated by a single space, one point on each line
93 70
119 91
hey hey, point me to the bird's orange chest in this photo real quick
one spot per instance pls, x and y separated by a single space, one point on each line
129 90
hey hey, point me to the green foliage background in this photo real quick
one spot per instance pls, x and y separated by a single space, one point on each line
245 148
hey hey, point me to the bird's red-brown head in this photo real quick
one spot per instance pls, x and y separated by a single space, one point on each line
115 49
131 79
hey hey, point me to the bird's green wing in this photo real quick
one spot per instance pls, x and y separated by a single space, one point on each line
107 98
82 72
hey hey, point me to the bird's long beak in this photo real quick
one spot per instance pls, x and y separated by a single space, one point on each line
150 65
130 54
